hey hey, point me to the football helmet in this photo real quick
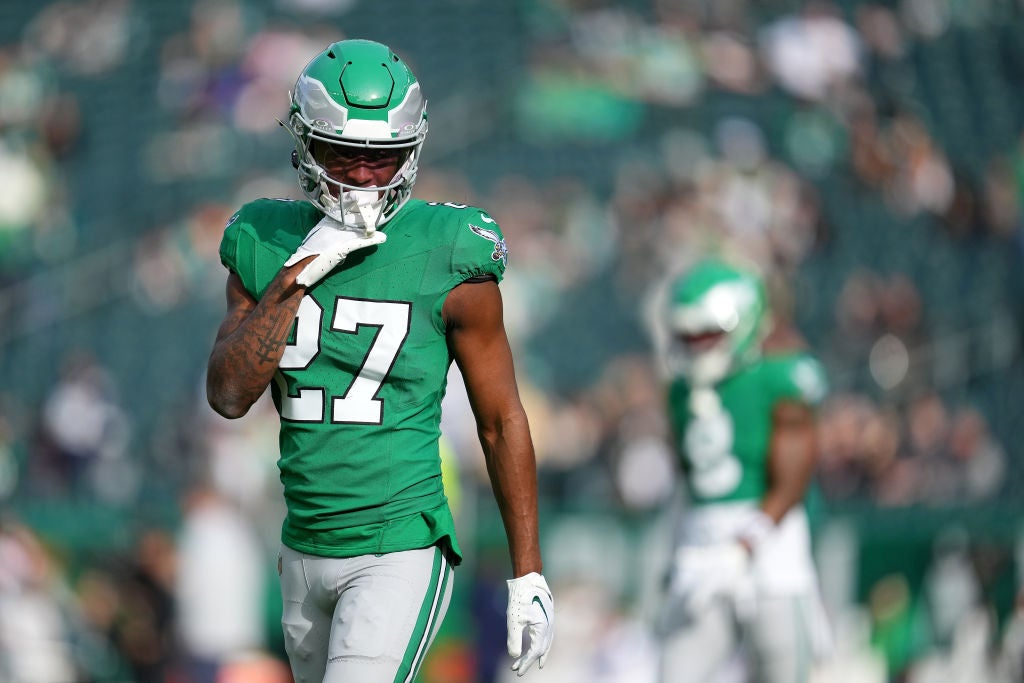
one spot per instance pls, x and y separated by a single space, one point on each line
716 321
357 97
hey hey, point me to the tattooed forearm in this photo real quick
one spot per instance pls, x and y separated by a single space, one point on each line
270 347
250 343
268 350
255 348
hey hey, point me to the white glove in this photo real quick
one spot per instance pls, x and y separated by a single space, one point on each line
331 242
530 608
702 573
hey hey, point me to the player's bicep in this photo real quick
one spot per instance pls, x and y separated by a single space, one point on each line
793 449
478 343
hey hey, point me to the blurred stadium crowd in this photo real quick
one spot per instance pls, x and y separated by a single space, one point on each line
868 155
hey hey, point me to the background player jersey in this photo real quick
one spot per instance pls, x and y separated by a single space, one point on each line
724 443
359 387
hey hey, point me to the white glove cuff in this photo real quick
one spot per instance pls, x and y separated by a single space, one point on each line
528 583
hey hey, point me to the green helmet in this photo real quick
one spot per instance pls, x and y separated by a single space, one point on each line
357 94
716 320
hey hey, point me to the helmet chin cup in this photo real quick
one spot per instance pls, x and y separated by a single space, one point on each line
362 208
357 208
704 368
710 367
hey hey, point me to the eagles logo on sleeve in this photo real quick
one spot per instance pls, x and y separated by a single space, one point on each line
500 249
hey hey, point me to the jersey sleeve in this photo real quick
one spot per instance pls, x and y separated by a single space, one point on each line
800 378
260 237
479 247
237 248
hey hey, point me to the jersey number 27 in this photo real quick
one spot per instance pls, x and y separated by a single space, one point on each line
359 403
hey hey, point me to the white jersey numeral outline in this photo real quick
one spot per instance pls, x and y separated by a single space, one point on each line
359 403
708 444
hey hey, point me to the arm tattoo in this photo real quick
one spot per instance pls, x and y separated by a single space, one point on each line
270 344
249 348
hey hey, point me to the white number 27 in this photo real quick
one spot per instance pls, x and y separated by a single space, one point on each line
359 403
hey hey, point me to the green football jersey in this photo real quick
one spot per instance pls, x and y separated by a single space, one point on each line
723 435
360 384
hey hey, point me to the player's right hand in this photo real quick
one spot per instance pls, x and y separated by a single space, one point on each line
331 242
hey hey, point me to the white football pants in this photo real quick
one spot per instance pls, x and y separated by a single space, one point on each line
776 642
366 619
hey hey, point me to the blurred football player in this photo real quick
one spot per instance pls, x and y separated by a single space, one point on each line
741 584
351 307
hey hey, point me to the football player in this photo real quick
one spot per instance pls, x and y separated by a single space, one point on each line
742 585
351 306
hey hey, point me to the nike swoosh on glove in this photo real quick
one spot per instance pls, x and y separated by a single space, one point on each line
331 242
530 609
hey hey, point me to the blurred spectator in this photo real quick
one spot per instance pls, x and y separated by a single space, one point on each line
34 640
13 450
144 630
239 462
271 59
87 38
812 53
83 422
927 442
924 180
951 588
980 459
841 470
99 601
199 75
28 190
219 587
641 463
173 266
1009 661
892 476
40 127
930 457
1001 200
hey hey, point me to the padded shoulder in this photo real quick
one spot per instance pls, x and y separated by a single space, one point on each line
477 243
260 237
796 376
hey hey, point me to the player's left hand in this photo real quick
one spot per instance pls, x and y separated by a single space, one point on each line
702 573
530 608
